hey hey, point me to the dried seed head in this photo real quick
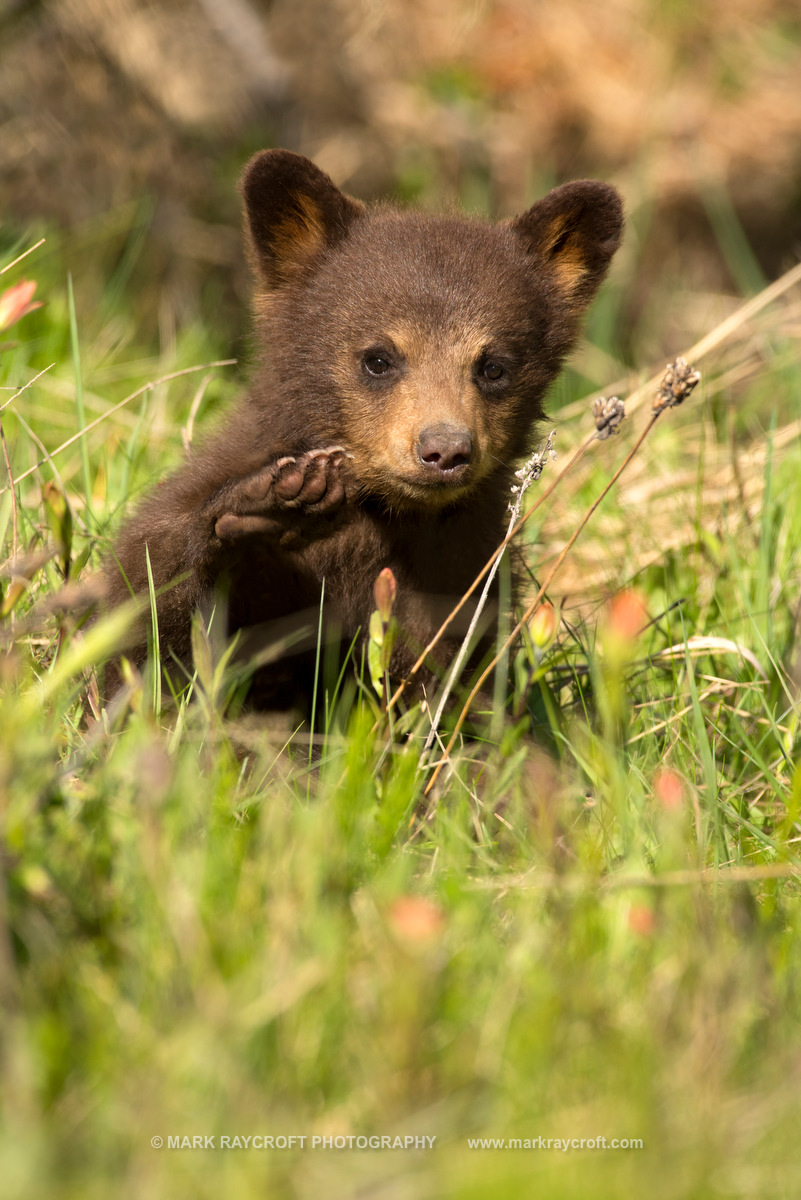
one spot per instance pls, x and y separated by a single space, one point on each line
677 383
532 469
608 415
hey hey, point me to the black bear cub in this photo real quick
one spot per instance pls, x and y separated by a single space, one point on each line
402 361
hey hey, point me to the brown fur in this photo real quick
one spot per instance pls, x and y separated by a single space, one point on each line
379 335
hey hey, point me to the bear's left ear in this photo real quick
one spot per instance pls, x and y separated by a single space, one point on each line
293 212
574 231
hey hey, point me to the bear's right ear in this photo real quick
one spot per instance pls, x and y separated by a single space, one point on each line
572 233
293 211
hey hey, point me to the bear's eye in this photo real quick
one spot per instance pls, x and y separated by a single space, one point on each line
492 370
376 363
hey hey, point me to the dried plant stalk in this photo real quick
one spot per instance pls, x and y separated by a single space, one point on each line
527 475
675 385
224 362
582 450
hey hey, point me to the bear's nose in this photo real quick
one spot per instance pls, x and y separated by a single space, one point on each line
446 448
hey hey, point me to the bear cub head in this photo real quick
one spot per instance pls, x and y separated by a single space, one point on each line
423 345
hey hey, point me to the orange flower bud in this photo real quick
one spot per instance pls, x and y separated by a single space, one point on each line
626 617
15 303
542 626
416 920
641 919
384 591
669 789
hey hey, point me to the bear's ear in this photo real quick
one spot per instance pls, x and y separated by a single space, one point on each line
573 232
293 211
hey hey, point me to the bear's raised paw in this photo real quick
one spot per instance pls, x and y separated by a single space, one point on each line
275 499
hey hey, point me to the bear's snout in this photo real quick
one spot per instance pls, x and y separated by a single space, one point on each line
445 449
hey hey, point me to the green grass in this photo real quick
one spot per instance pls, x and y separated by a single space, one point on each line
204 933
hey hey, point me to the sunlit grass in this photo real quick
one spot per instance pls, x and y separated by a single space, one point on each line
211 925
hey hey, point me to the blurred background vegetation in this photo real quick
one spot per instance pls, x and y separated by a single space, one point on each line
198 933
127 123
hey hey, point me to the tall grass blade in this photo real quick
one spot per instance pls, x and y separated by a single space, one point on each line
79 401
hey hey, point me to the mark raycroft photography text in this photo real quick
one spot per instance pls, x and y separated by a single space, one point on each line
293 1141
563 1144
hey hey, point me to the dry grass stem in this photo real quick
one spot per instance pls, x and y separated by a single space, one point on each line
224 362
707 694
48 457
527 474
608 415
727 495
723 874
713 645
721 333
24 254
535 602
579 454
30 382
10 473
189 428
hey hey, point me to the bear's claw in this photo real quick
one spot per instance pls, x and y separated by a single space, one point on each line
308 484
